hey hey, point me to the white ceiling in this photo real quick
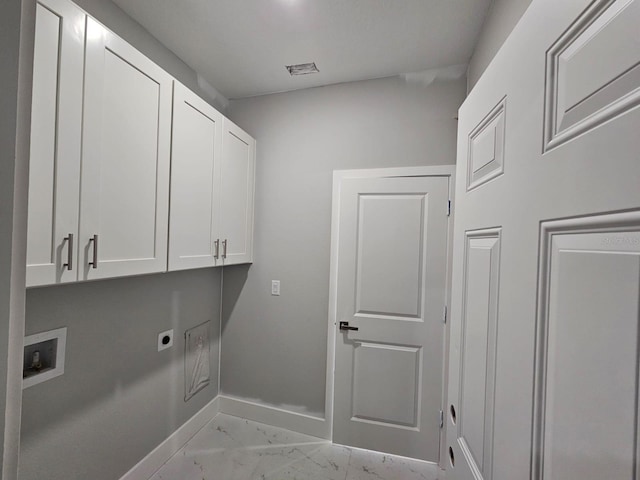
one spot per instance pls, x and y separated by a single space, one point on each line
241 47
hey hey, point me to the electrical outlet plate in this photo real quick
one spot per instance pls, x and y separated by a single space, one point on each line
275 287
165 340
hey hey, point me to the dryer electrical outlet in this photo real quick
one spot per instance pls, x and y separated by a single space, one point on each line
165 340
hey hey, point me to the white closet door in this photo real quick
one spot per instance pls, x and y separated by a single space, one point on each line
126 151
391 283
55 143
543 372
237 190
195 164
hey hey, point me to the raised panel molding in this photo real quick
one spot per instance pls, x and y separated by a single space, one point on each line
391 223
593 71
486 147
378 402
589 296
46 90
478 348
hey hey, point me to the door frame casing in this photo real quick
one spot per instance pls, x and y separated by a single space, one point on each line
338 177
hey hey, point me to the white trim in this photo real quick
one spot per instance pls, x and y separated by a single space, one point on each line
150 464
432 171
14 223
60 335
338 176
447 327
277 417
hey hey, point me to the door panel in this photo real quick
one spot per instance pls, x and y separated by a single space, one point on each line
486 148
195 164
237 190
588 356
128 231
392 254
379 401
43 149
479 331
593 70
54 173
562 403
388 257
125 176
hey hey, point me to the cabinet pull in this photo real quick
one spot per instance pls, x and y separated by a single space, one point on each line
94 263
69 264
224 248
216 246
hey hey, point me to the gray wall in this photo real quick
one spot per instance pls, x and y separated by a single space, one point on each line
274 348
503 15
119 398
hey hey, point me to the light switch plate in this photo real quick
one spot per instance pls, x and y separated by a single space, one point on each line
275 287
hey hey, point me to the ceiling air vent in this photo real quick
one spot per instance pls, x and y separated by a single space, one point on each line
303 69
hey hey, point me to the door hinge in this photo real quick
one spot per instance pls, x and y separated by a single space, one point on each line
441 419
444 320
449 209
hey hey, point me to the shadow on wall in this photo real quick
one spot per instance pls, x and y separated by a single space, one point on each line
234 280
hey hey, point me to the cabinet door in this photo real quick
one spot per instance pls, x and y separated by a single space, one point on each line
236 195
195 163
56 113
125 163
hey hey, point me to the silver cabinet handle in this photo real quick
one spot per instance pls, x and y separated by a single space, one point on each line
94 263
69 240
224 248
216 246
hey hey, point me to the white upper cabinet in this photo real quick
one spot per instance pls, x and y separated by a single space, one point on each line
52 242
195 182
236 195
125 160
101 156
212 187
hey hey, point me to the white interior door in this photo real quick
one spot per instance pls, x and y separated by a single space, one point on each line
196 153
391 287
546 278
56 134
125 163
237 191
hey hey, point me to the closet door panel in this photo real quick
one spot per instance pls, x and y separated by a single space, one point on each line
195 165
237 192
125 177
55 143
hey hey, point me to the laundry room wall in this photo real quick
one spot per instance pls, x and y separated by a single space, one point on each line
274 348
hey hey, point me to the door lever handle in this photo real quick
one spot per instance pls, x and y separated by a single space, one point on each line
344 326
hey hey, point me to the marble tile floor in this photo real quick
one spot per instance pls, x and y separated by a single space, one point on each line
231 448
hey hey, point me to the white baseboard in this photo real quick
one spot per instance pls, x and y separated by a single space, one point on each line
277 417
146 467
